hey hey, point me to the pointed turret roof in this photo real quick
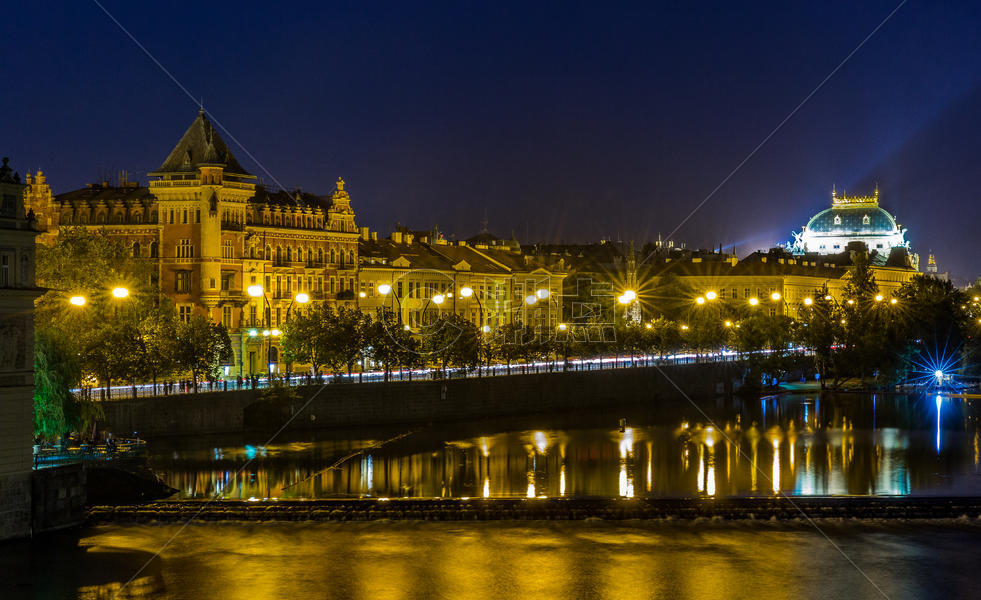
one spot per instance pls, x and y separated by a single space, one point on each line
201 146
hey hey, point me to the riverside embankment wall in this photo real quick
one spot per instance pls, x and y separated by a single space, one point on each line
337 405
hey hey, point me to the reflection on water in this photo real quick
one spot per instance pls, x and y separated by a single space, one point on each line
793 444
497 560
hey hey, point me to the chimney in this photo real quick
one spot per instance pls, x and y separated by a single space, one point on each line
397 237
408 238
365 233
374 236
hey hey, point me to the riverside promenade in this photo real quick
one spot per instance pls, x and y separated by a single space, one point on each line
426 401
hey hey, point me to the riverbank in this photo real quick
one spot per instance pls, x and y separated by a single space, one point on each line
562 509
354 405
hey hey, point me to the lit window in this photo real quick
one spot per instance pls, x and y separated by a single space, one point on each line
837 220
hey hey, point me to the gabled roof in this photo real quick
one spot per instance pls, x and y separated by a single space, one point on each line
201 146
296 198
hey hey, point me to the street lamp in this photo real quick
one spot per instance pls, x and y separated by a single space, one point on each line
808 301
711 295
754 301
467 292
775 296
256 291
301 298
120 292
879 298
77 300
700 300
385 289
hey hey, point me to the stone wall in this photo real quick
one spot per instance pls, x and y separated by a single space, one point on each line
337 405
58 497
15 505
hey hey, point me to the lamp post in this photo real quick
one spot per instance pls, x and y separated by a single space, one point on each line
386 289
256 291
468 292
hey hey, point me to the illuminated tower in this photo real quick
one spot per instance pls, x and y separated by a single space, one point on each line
202 194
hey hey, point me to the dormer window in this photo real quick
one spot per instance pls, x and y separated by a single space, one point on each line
837 220
866 220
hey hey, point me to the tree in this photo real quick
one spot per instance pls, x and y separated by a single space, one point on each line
454 341
201 347
389 344
57 410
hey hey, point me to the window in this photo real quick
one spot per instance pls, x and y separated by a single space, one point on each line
227 279
279 285
171 217
320 284
153 250
837 220
331 285
333 256
266 287
9 206
5 270
226 249
184 313
226 316
137 218
101 218
320 255
25 270
197 216
279 314
182 282
252 315
136 249
185 216
185 249
866 220
746 293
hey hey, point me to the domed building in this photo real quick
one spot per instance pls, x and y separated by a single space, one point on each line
850 219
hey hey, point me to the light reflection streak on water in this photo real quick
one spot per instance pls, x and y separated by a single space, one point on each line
939 402
845 457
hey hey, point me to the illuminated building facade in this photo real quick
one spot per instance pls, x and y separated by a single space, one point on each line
212 232
417 266
850 219
17 295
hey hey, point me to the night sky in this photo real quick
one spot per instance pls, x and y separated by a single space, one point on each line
558 121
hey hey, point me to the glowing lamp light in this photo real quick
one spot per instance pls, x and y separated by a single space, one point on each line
753 301
684 328
253 332
851 301
700 300
562 327
438 299
531 299
485 328
828 297
649 326
630 295
711 295
303 297
728 323
406 327
623 299
276 332
272 367
466 292
775 296
879 298
120 292
542 294
893 301
384 289
265 333
254 290
77 300
977 298
362 295
808 301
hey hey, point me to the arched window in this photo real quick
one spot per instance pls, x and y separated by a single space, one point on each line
299 254
117 218
268 255
837 220
66 218
153 217
101 218
333 256
83 219
350 257
866 220
289 254
136 249
279 254
153 250
137 217
320 255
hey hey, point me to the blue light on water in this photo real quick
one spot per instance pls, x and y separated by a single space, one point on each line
939 402
250 451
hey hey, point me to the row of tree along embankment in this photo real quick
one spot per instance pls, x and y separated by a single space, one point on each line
353 404
774 508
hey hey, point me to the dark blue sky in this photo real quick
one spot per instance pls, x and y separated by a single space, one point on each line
561 121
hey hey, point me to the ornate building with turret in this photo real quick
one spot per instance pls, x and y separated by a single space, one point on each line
212 232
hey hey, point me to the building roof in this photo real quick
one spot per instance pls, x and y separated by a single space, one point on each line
852 220
201 146
93 194
296 198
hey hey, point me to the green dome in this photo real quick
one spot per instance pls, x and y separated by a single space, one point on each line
861 220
